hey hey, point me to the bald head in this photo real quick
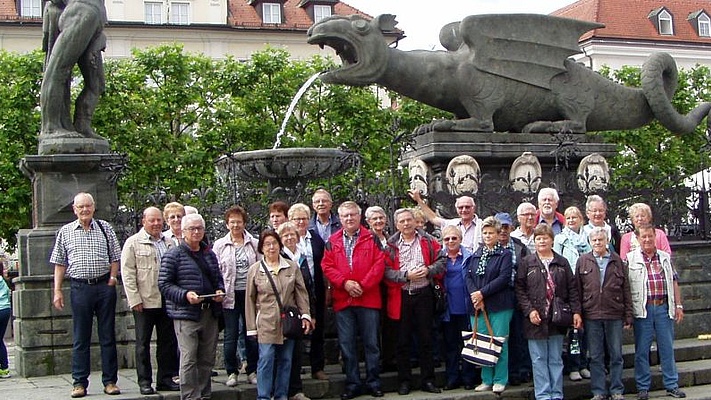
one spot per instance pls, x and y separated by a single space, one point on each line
153 221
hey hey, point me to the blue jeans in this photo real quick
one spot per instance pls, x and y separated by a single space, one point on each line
660 325
87 301
274 357
350 322
547 361
235 329
5 315
453 344
600 332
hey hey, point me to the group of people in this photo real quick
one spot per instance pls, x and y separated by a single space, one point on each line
490 274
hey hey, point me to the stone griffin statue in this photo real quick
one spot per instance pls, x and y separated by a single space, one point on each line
505 73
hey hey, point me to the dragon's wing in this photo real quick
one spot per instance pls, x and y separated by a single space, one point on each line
529 48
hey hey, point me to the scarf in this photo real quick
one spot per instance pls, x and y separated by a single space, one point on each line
486 253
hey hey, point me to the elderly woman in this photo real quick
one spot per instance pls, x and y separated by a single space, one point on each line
191 284
275 351
571 243
488 278
236 251
173 214
311 246
541 277
641 214
290 238
456 318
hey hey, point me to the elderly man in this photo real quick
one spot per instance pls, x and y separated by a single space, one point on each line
656 304
607 307
354 264
596 210
323 221
87 252
548 200
140 265
468 222
526 215
420 259
191 283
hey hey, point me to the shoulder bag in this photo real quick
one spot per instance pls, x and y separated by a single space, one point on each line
290 319
481 349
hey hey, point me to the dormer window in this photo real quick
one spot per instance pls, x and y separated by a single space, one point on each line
662 20
701 23
318 9
271 11
31 8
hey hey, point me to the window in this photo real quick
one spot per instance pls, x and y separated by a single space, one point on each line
665 23
704 25
180 13
321 12
271 13
31 8
154 12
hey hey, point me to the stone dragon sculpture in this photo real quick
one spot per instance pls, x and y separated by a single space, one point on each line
505 73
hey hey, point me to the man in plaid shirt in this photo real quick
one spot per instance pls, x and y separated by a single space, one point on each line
87 251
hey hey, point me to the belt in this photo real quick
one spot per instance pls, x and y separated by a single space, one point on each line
656 302
93 281
414 292
205 305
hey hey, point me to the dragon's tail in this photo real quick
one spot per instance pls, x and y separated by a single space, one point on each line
659 82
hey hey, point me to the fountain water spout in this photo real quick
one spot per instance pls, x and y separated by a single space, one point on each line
292 105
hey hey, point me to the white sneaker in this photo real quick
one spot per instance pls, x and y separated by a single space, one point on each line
585 373
575 376
482 388
498 388
299 396
231 380
252 378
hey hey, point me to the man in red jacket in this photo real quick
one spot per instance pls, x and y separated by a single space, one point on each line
354 264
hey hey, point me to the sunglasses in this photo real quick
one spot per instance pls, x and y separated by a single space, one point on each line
450 239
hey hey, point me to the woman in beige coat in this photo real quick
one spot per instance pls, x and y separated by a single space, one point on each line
263 316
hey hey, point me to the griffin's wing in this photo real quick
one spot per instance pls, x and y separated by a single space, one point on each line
529 48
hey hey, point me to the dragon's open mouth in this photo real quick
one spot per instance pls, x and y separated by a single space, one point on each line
344 49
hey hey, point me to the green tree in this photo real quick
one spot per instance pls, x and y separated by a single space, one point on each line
19 123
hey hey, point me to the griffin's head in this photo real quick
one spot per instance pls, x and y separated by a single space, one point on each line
358 42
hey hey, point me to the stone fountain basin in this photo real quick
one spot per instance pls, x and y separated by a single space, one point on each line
287 163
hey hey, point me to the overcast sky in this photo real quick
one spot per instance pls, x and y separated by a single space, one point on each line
421 19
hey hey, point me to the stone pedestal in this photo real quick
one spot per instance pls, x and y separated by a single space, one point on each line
559 156
43 335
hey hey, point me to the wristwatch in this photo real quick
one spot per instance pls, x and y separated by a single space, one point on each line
112 278
680 307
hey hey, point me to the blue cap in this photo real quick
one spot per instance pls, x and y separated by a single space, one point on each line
504 218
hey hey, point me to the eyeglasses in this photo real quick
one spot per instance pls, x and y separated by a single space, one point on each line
175 216
463 207
302 219
528 215
195 229
451 238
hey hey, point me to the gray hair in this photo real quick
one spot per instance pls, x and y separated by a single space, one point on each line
491 222
370 211
401 211
597 231
464 199
87 195
550 191
350 205
594 199
187 219
299 207
523 206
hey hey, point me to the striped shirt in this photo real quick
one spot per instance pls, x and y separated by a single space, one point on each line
87 254
410 258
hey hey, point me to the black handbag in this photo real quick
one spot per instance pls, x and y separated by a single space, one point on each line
291 326
440 298
561 313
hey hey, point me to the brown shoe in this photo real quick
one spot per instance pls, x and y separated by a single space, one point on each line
78 391
112 389
320 375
